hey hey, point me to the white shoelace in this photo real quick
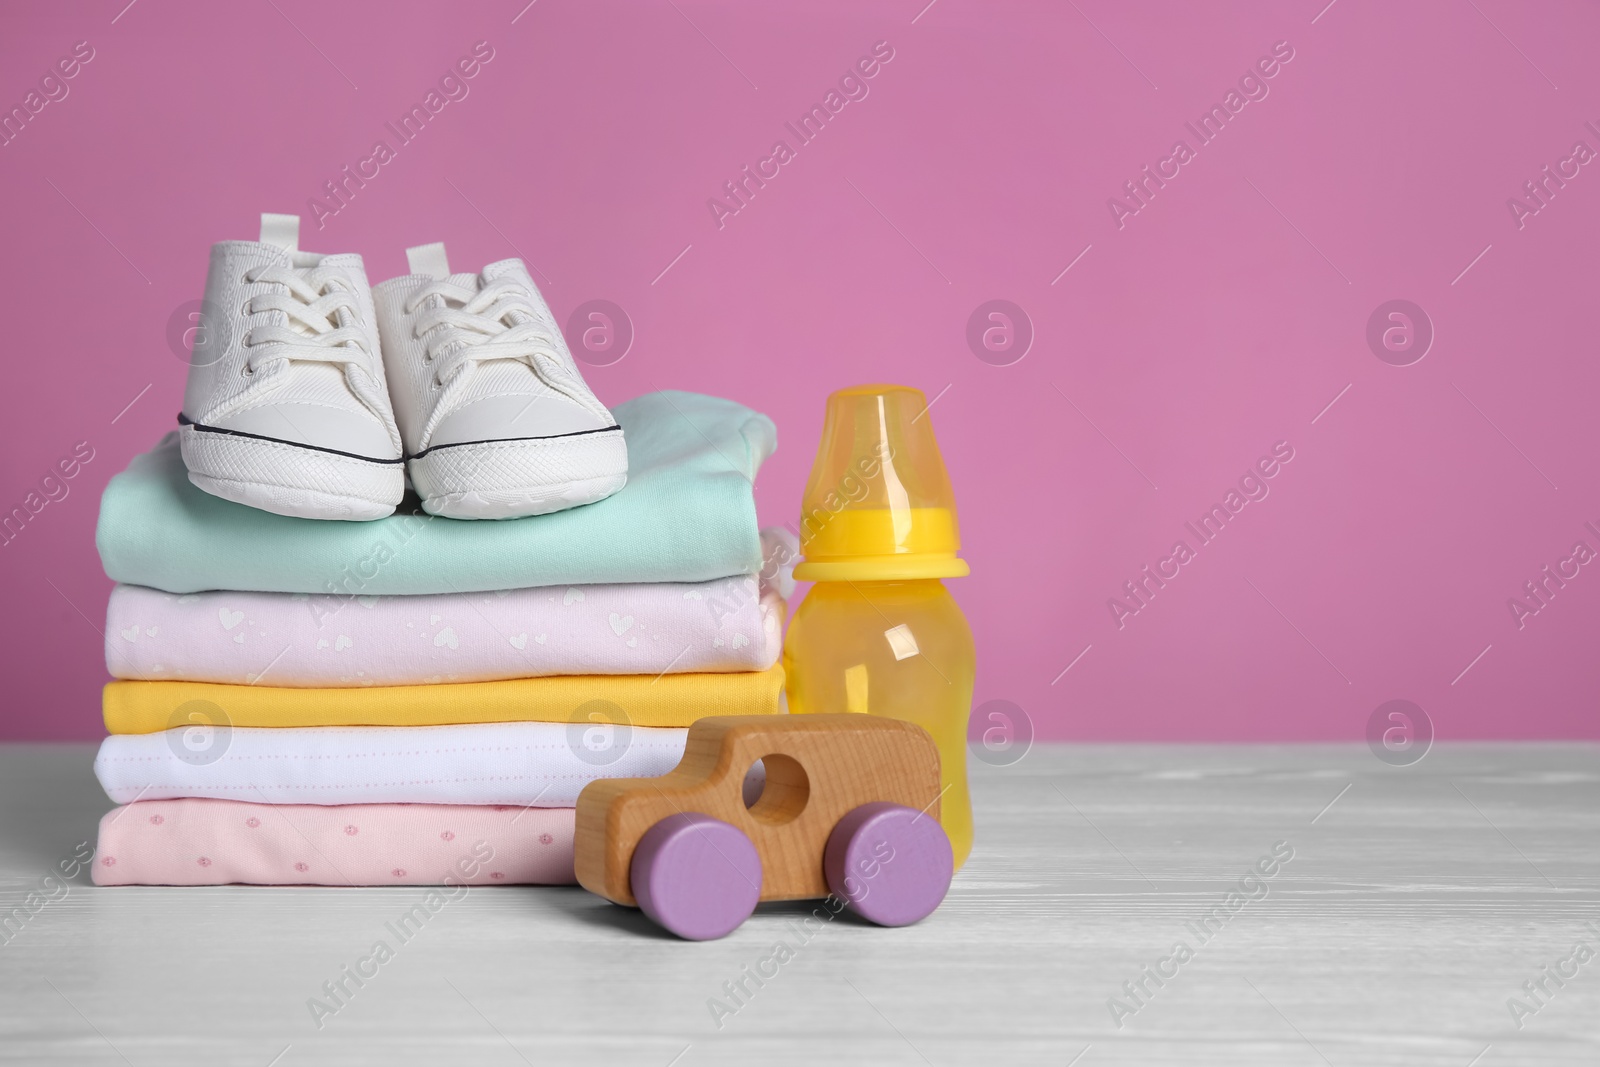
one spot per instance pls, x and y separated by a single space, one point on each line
477 326
321 316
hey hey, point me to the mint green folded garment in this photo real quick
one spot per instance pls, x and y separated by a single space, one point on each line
687 514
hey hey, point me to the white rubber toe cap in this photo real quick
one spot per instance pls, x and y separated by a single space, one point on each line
512 479
290 479
315 425
508 418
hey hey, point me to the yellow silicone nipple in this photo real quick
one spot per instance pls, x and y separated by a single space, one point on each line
878 505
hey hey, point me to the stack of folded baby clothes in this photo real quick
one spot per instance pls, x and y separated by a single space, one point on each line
418 699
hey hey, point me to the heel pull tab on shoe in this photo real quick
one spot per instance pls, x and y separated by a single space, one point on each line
429 260
281 231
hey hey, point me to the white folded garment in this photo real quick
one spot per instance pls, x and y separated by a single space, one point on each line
532 764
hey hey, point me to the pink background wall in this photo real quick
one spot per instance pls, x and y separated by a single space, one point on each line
1222 318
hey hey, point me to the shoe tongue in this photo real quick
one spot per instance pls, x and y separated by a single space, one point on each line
323 385
496 376
280 231
320 383
500 377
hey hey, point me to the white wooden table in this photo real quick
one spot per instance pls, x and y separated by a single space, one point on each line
1418 900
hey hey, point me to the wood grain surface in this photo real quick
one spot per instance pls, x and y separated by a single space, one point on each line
1417 902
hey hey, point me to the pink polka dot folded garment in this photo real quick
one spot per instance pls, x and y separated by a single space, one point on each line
219 842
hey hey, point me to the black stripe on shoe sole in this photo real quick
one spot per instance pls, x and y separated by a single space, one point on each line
184 420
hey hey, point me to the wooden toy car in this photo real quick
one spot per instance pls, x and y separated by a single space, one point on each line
850 805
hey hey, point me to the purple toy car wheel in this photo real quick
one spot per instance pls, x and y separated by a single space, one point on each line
890 863
696 876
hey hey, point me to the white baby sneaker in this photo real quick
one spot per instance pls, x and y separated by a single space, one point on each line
497 421
286 408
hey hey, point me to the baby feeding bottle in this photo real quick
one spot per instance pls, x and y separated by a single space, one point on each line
879 634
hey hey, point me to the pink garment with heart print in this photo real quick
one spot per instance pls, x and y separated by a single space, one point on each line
300 641
218 842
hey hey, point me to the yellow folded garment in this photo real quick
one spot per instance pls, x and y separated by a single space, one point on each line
643 700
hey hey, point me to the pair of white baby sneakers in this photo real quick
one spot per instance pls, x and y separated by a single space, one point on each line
314 394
